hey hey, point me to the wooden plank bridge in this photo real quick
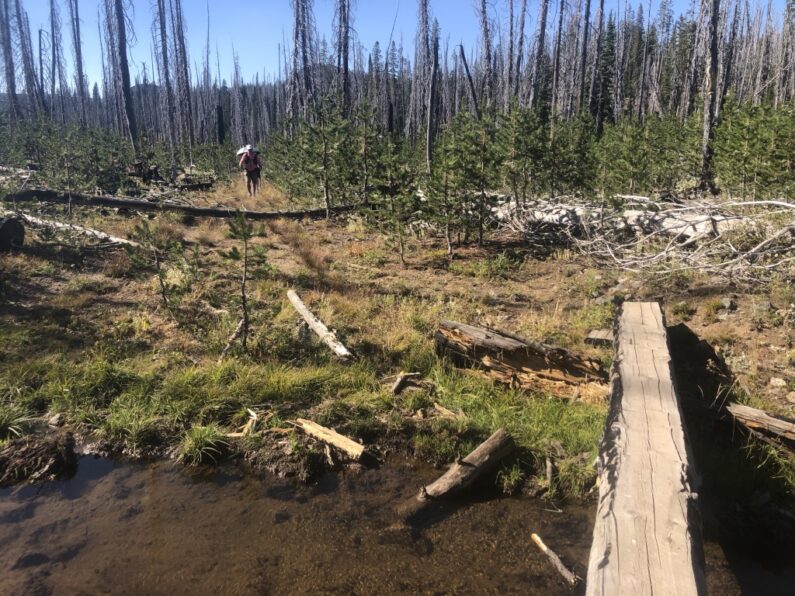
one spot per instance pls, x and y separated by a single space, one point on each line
646 537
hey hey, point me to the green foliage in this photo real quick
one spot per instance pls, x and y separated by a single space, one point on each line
754 145
496 267
14 421
395 191
476 166
91 159
523 139
201 445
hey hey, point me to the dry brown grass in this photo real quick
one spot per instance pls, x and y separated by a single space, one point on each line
305 245
235 195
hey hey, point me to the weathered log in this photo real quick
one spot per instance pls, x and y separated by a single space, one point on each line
12 233
761 421
72 228
646 536
775 431
462 473
567 575
328 337
350 447
50 196
520 362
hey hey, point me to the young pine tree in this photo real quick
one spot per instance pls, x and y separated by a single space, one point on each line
396 191
240 229
440 188
476 167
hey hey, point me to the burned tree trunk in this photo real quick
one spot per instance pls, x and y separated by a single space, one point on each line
8 57
707 181
539 58
12 233
521 363
124 71
82 91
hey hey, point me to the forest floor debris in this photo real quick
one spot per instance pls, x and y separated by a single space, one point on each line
87 335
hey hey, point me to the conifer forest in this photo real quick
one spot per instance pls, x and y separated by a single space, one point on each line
511 312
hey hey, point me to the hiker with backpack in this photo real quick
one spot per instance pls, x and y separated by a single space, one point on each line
252 165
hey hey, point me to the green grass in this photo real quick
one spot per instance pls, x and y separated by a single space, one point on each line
14 421
540 425
202 445
496 267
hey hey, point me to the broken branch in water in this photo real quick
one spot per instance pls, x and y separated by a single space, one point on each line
462 473
348 446
570 578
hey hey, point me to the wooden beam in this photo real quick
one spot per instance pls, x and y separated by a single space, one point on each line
51 196
600 337
328 337
350 447
645 536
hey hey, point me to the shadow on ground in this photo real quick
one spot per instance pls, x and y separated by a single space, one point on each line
745 509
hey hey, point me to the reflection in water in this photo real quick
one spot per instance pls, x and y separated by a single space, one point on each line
152 529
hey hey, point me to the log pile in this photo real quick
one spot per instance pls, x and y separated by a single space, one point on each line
745 241
521 363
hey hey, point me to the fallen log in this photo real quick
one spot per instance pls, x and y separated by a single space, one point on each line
646 535
72 228
462 473
775 431
570 578
348 446
521 363
328 337
51 196
761 421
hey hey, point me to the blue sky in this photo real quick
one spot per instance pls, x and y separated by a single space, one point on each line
254 28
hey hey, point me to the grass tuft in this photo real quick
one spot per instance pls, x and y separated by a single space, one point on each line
202 445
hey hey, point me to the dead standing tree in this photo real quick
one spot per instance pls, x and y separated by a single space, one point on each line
707 181
8 58
77 44
160 34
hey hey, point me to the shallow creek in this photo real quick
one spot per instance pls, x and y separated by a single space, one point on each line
152 529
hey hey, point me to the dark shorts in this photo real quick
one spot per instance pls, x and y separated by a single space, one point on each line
253 175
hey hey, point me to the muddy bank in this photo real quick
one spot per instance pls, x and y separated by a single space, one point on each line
133 529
